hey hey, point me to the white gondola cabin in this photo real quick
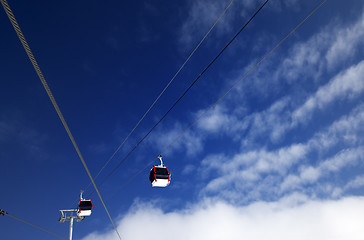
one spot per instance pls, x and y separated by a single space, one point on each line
84 207
159 175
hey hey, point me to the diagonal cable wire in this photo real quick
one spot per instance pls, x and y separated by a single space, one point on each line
215 103
50 95
184 93
131 178
31 224
243 77
165 88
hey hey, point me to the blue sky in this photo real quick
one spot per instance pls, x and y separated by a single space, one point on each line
281 156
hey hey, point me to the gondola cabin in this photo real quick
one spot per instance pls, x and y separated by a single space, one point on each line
84 208
159 176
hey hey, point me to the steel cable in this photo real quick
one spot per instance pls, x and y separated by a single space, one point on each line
50 95
215 103
31 224
165 88
184 93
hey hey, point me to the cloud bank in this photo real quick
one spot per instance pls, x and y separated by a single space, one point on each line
293 217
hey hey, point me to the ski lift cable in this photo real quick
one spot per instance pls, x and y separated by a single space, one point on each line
184 93
50 95
165 88
130 179
243 77
215 103
2 212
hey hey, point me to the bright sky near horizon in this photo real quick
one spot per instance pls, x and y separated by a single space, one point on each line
280 157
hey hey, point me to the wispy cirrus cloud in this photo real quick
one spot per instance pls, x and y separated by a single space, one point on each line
290 111
192 144
281 116
284 174
311 174
281 168
303 64
345 44
250 173
355 183
346 85
335 45
201 15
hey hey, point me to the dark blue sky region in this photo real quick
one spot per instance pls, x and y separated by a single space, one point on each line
283 151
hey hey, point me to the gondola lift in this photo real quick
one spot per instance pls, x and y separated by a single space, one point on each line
84 207
159 175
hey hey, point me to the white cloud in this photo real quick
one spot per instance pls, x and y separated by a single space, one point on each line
214 120
334 45
344 158
280 117
251 173
189 168
201 15
272 121
355 183
346 42
293 217
192 143
273 169
246 175
286 4
218 121
309 174
346 130
305 59
261 161
300 66
345 85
